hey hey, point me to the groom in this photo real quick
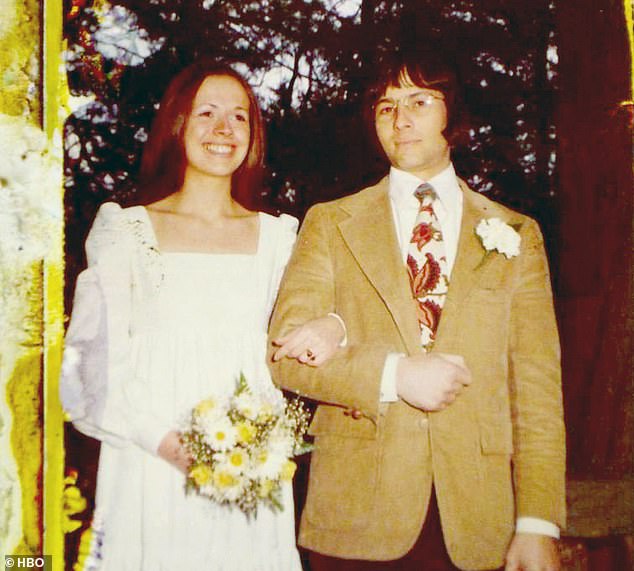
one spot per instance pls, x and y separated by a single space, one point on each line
439 432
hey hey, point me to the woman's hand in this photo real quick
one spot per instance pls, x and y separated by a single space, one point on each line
312 343
171 449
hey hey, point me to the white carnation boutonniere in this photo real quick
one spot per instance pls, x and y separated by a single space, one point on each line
498 235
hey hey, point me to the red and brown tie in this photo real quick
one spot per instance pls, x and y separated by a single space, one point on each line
427 265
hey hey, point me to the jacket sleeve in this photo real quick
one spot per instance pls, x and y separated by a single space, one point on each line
97 388
352 377
535 384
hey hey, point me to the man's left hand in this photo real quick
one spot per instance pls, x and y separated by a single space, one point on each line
532 552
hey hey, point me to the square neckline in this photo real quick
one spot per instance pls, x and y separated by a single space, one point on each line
155 242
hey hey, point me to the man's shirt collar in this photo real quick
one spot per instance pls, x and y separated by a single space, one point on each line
403 184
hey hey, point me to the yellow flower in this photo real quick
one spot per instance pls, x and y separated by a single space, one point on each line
74 503
201 474
288 471
265 488
204 406
261 457
246 432
237 460
84 550
224 479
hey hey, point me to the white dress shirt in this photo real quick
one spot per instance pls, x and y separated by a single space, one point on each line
449 213
448 210
405 207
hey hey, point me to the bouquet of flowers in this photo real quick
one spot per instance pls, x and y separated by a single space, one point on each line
242 448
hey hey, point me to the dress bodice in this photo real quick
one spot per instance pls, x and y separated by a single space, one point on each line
199 290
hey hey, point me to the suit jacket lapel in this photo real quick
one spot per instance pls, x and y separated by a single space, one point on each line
471 261
371 237
470 254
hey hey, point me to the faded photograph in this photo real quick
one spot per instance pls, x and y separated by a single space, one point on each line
347 285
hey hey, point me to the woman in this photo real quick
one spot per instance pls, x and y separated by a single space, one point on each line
173 306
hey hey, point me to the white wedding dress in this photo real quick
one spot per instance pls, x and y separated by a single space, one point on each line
151 335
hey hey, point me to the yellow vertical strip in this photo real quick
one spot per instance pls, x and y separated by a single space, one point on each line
53 99
54 82
628 8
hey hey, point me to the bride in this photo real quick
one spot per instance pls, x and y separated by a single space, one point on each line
173 307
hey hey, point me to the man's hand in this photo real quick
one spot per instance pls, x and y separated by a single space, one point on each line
312 343
431 381
532 552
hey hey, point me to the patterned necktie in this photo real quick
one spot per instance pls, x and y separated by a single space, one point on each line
427 265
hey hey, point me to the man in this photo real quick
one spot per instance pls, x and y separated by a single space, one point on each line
439 434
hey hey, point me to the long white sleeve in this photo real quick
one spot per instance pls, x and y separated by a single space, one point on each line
97 388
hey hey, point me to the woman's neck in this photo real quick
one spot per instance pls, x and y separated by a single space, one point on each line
205 196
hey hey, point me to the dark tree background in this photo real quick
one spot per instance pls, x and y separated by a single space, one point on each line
308 61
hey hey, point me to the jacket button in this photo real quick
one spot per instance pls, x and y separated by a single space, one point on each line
423 422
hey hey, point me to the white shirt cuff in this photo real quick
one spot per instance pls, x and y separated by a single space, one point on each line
536 525
344 341
388 380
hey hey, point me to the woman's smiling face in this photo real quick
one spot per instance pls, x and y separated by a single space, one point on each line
217 132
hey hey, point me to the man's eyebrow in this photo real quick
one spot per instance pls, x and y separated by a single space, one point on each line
385 98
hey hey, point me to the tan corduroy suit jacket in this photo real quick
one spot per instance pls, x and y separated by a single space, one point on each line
495 454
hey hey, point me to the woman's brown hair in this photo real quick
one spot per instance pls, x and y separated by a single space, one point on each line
164 161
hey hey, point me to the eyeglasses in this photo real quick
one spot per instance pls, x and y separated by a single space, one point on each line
416 103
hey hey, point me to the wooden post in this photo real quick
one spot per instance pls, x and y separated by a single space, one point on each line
593 266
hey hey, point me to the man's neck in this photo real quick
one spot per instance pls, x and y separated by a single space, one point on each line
403 174
431 170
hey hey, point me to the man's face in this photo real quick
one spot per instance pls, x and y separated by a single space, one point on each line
409 122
